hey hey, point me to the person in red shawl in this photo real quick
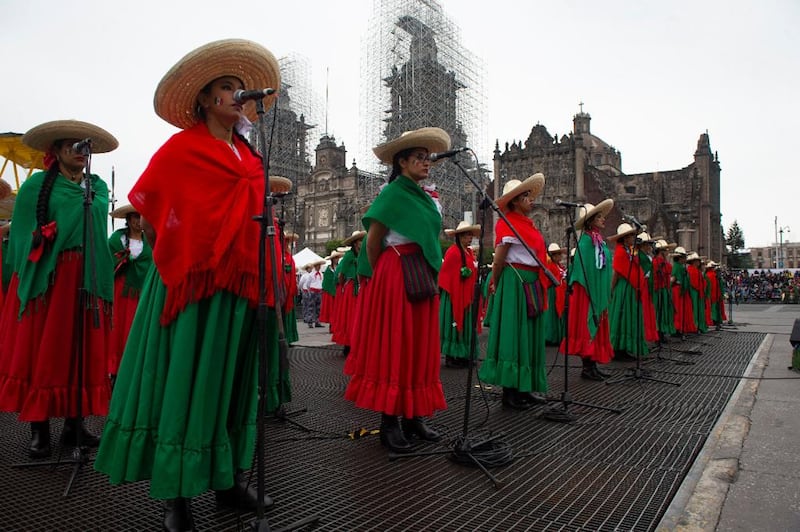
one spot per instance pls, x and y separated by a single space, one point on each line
457 283
682 300
716 295
395 361
628 292
590 279
515 357
662 296
556 296
644 247
184 408
132 260
329 288
38 346
697 291
290 280
347 292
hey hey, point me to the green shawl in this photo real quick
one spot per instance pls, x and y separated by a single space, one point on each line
134 270
329 280
681 276
362 263
347 269
66 210
596 282
404 207
646 263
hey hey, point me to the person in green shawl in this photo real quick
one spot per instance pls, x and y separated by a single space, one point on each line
348 292
132 260
54 280
395 360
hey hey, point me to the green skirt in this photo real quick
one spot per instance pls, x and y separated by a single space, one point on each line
553 323
626 320
454 344
183 411
290 326
665 311
699 309
515 356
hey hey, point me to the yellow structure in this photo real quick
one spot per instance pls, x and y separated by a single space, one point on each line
24 161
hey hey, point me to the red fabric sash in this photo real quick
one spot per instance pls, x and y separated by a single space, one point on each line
459 289
631 272
530 235
200 198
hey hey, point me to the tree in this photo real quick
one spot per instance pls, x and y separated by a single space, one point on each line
737 258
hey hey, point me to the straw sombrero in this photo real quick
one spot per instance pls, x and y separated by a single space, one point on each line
680 250
623 230
176 95
433 139
335 254
588 210
711 264
464 227
534 184
5 189
43 136
554 249
644 238
357 235
122 212
692 256
290 237
280 185
343 249
662 244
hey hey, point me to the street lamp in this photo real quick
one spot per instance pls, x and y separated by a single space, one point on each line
780 246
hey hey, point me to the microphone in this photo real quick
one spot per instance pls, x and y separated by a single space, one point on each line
446 154
242 96
81 145
562 203
632 220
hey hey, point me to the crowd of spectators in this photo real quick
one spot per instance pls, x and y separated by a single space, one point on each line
763 286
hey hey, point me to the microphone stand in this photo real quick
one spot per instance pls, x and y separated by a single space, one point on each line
561 412
637 373
660 345
267 231
465 448
86 300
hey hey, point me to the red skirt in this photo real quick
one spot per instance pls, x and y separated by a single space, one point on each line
38 355
124 310
346 309
649 316
580 341
326 308
684 315
395 359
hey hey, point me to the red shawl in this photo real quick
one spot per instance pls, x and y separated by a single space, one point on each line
715 295
201 198
661 271
561 290
630 271
696 279
459 289
530 235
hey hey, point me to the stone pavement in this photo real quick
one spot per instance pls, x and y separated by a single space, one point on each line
747 478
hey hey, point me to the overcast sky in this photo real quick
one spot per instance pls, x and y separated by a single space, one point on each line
654 75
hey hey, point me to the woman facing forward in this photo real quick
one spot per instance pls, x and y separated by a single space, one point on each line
395 358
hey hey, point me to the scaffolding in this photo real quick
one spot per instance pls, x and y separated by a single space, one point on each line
416 73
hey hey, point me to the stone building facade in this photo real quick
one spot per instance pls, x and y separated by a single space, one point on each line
682 205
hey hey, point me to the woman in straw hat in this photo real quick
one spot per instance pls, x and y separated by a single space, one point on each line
329 288
628 293
715 295
697 291
38 357
183 413
515 357
348 291
644 251
662 297
394 365
132 260
681 298
457 283
290 280
590 279
556 296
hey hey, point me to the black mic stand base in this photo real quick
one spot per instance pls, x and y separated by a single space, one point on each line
660 346
79 458
261 525
561 413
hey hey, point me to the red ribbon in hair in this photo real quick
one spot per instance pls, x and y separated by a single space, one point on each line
123 256
49 158
48 232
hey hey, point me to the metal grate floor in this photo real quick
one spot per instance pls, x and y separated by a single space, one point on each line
603 472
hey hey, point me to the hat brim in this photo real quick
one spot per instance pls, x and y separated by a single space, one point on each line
122 212
534 184
433 139
475 230
43 136
614 238
352 238
603 207
280 185
175 99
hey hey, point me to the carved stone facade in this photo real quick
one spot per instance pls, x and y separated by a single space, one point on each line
682 205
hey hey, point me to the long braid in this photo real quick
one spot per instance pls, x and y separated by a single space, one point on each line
247 143
43 201
461 250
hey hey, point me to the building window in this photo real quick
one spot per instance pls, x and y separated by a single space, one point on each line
630 189
598 159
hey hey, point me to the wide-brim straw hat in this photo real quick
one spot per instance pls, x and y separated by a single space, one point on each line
588 210
554 249
122 212
291 237
176 95
692 256
464 227
320 262
679 250
534 184
662 244
43 136
644 238
357 235
711 264
343 249
623 230
280 185
335 254
433 139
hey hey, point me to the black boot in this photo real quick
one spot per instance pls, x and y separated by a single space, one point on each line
178 515
241 495
69 436
346 351
513 400
533 398
40 439
417 427
589 371
392 436
600 372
